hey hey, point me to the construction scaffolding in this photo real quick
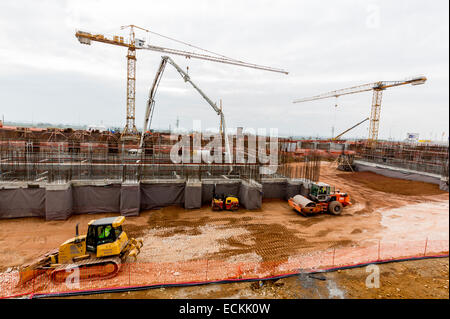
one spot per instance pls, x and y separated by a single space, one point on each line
60 156
306 168
60 164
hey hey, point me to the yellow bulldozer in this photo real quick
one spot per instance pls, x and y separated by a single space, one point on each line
97 255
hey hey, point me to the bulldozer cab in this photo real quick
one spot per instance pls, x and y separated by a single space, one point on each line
103 231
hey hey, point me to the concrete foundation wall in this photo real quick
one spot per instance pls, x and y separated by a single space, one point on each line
22 202
293 187
96 199
250 195
274 189
443 185
207 193
220 187
130 200
193 195
157 195
60 201
397 172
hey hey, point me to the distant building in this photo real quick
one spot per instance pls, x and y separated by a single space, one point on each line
99 128
412 137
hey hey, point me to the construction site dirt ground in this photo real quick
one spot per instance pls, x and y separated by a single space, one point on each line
421 279
383 209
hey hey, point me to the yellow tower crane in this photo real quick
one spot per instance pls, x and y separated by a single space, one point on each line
133 44
377 88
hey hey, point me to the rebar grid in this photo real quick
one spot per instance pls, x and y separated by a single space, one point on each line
430 158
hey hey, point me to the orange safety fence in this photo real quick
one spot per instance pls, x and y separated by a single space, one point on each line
201 271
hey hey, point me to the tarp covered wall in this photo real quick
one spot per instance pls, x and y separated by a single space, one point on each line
193 196
274 190
130 200
96 199
58 204
207 193
443 185
292 189
250 196
161 194
221 188
22 202
228 188
304 189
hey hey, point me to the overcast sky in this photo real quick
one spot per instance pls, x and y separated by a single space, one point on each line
46 75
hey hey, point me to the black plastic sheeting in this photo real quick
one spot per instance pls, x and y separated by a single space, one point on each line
58 204
292 189
304 190
250 197
193 196
220 189
274 190
161 194
22 202
130 200
228 188
207 193
96 199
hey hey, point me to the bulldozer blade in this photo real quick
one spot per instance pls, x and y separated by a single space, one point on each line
27 275
32 270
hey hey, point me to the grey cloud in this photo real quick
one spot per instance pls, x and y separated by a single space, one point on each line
46 75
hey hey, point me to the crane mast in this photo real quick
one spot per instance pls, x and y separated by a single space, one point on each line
133 44
377 88
130 126
186 78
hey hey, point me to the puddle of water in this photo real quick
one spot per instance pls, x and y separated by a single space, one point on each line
416 222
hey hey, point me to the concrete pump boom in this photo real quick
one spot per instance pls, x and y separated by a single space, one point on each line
186 78
347 130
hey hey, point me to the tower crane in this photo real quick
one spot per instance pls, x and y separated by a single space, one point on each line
186 78
377 88
133 44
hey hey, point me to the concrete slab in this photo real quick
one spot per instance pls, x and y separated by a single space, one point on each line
396 172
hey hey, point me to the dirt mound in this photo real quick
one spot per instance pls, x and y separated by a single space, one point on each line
392 185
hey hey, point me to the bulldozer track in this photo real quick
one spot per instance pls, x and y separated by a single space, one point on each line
91 269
